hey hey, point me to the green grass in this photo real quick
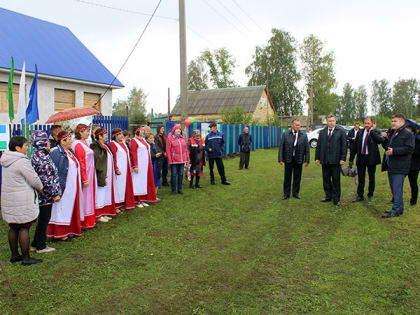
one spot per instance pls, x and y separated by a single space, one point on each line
233 250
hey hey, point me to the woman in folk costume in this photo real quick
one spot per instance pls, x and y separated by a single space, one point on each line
177 152
105 174
197 158
143 178
123 192
67 213
87 169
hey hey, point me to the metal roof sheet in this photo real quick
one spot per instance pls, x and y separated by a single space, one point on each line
54 48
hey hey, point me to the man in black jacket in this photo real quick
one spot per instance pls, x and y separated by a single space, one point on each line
399 146
293 152
413 175
366 149
331 152
351 137
244 142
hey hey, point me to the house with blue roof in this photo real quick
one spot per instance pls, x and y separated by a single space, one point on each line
69 75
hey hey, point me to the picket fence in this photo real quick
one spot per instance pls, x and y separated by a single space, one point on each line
263 137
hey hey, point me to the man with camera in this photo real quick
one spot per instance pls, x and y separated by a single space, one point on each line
367 151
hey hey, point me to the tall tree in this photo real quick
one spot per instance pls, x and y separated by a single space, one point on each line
197 75
134 105
221 66
360 103
346 108
404 97
381 98
319 75
275 65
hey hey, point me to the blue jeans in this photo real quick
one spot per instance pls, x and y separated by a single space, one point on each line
396 181
177 170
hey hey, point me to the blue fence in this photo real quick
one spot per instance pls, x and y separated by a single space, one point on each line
263 137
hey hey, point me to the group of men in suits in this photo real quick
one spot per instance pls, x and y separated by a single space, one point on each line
331 153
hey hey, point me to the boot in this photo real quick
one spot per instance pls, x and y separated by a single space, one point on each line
197 182
192 183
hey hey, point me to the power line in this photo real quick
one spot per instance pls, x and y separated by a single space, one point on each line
131 52
222 16
143 14
125 10
252 20
232 14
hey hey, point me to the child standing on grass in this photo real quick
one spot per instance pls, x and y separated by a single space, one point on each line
156 155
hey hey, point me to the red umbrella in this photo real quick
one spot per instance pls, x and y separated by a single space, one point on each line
72 113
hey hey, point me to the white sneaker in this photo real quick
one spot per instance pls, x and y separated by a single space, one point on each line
45 250
145 204
139 205
108 218
32 249
119 211
103 220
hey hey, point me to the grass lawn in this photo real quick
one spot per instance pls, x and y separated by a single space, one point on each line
237 249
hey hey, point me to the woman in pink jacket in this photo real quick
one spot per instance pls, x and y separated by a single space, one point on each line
177 151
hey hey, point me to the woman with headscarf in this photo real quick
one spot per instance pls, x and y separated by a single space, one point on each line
66 214
123 192
177 152
87 169
197 158
143 178
104 164
51 193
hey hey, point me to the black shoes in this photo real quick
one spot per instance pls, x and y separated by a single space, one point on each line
226 183
198 186
337 203
286 197
213 182
390 214
16 259
296 196
31 261
358 199
370 198
180 192
326 200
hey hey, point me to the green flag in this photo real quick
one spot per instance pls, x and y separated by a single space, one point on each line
10 93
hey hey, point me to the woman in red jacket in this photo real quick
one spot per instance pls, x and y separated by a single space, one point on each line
178 155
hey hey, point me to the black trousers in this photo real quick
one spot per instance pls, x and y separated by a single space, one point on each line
244 159
220 168
40 236
292 169
331 181
412 177
164 169
361 174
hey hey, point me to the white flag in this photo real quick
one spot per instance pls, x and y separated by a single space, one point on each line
20 118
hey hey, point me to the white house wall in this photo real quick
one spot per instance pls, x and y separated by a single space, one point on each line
46 95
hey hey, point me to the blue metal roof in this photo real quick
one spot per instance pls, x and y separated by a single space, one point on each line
54 48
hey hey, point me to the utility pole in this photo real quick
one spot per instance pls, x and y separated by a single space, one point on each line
183 63
169 103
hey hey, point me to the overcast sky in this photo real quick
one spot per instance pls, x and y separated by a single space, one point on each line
371 39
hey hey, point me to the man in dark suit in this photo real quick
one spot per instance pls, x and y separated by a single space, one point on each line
415 167
351 137
368 156
331 152
293 152
399 146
